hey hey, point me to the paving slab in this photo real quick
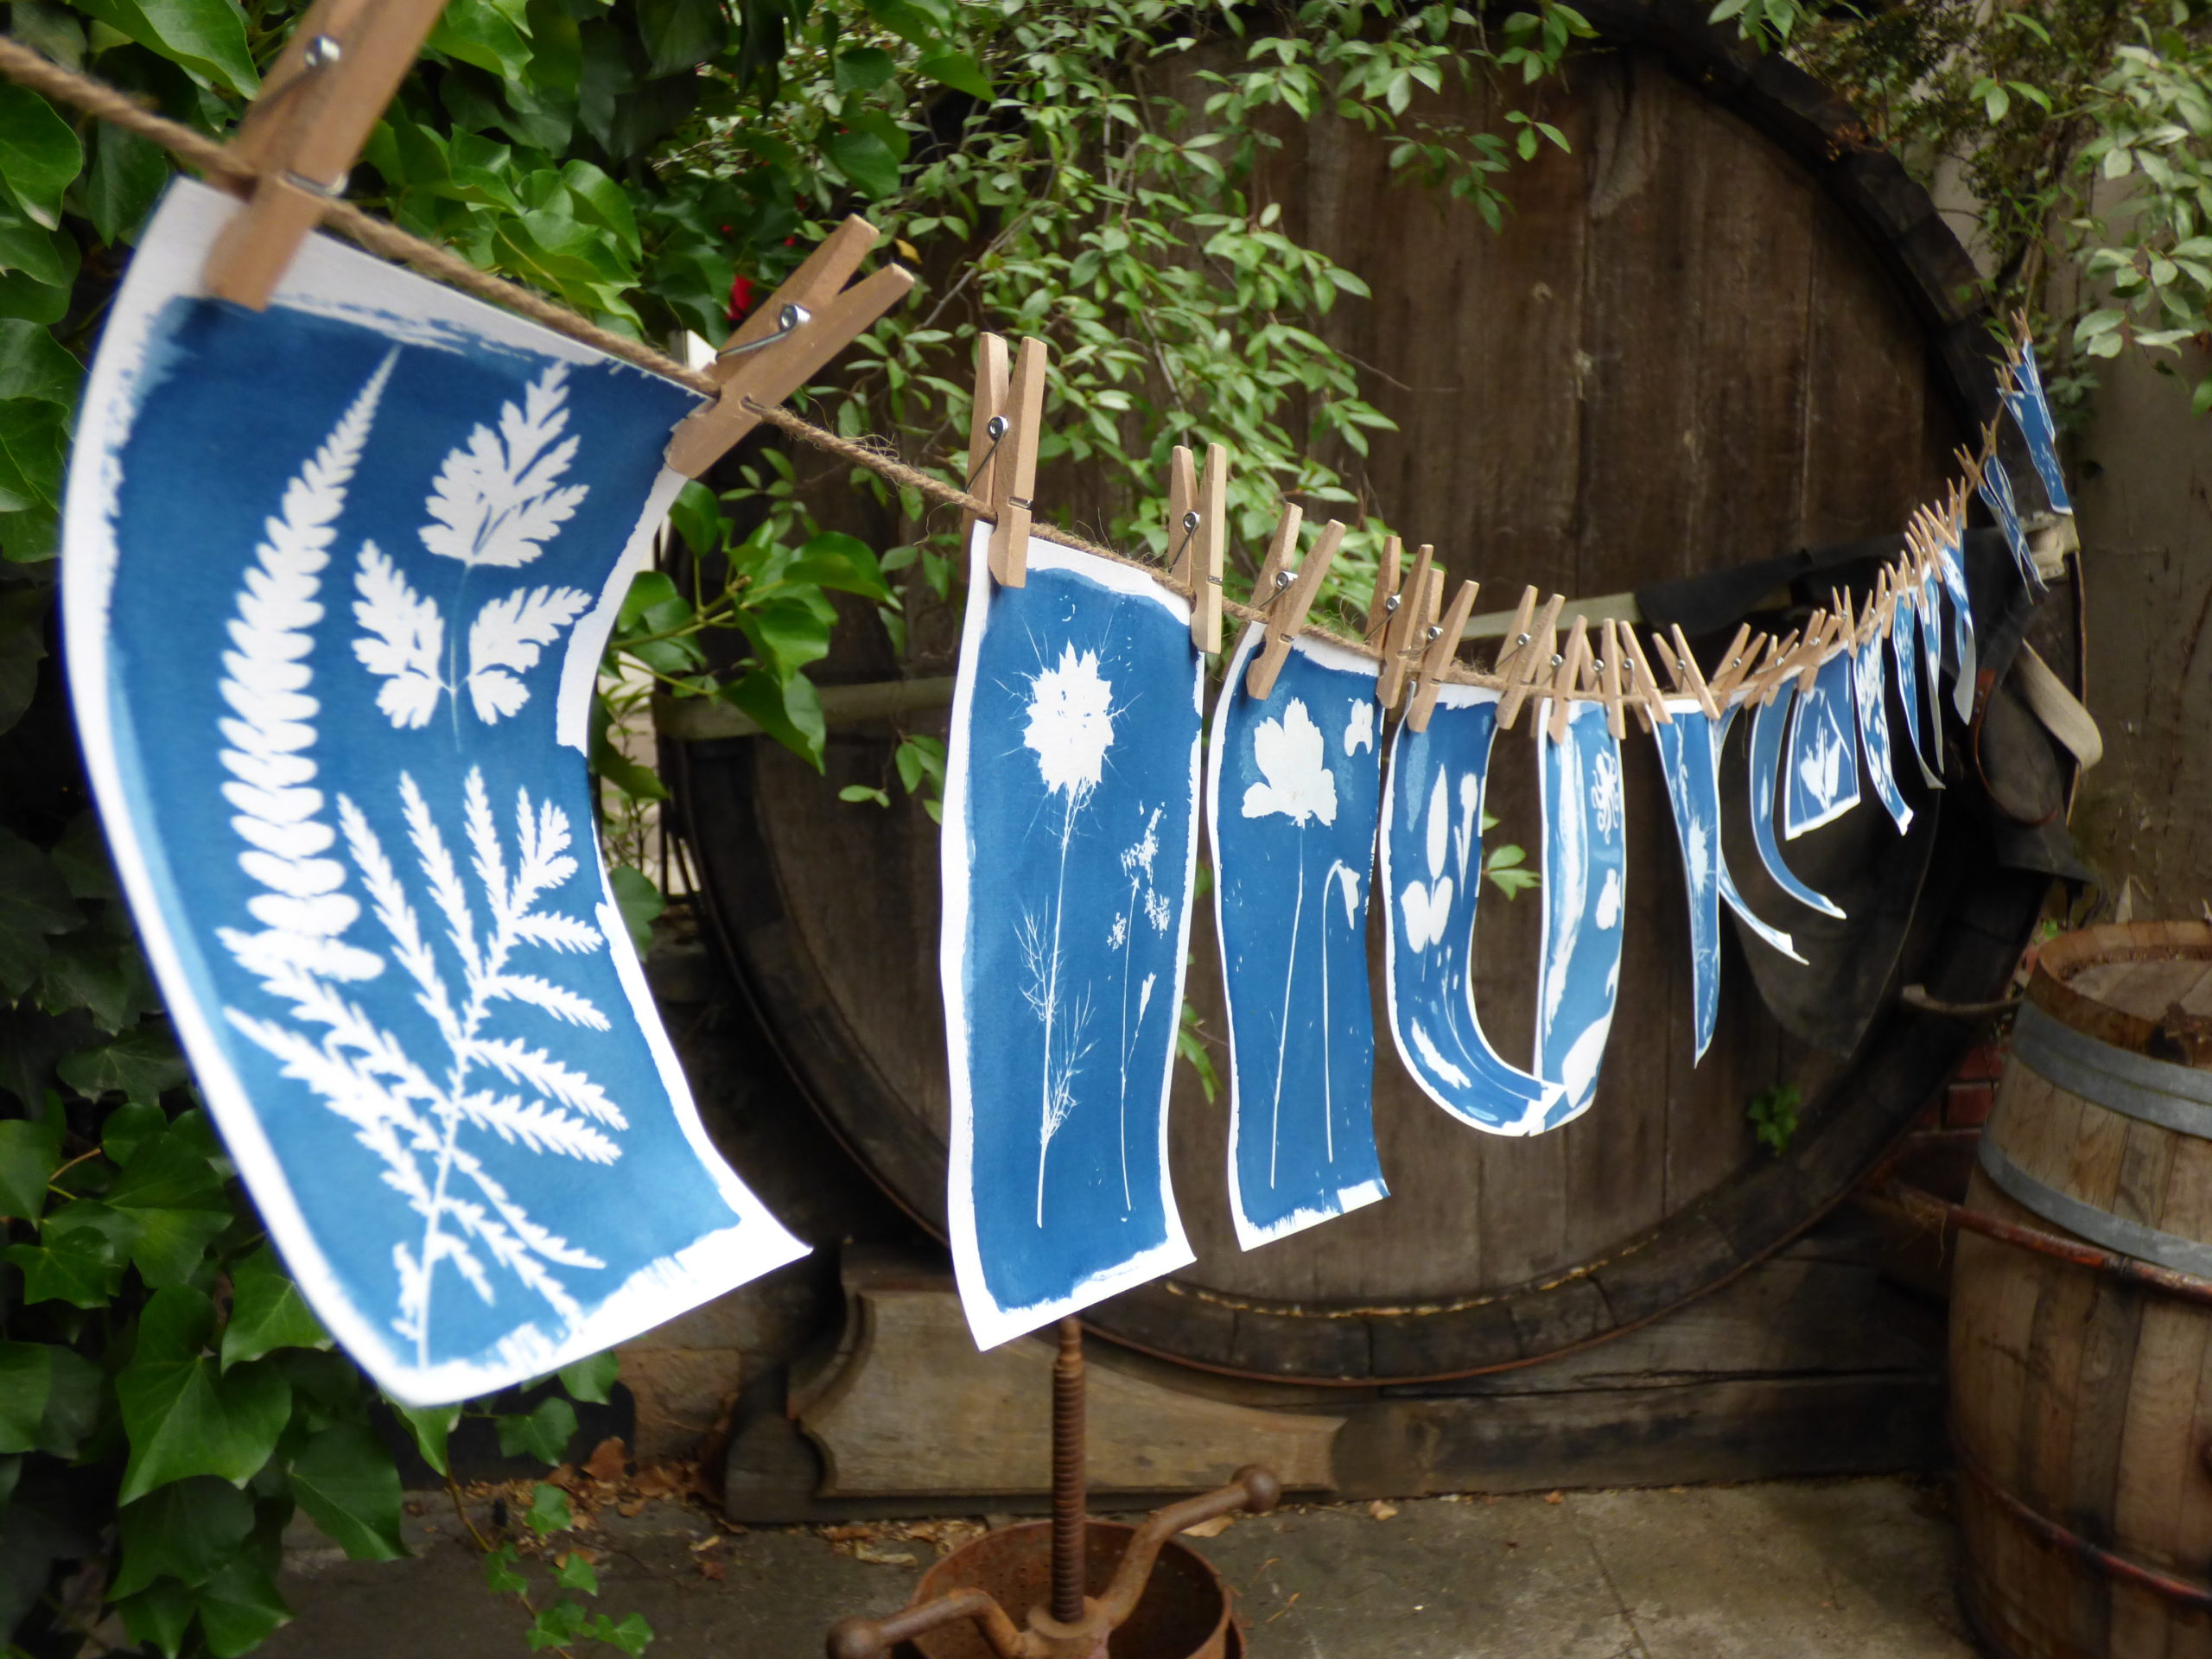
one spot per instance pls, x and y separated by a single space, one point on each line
1809 1570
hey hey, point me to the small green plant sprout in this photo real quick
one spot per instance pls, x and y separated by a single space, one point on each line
1773 1113
1506 868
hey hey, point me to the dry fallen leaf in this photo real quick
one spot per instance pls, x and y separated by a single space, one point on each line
1381 1511
710 1568
846 1534
1213 1528
607 1459
630 1507
1554 1497
706 1542
877 1557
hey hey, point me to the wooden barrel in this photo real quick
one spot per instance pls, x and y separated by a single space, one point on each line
1719 330
2082 1403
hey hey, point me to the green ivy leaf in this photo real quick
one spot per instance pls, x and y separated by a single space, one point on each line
430 1427
128 175
542 1433
680 35
548 1510
346 1480
499 1575
130 1127
26 1374
590 1379
185 1530
174 1200
158 1616
865 159
631 1633
34 904
29 1154
82 1267
34 365
239 1608
267 1311
100 974
572 1571
184 1416
958 71
555 1626
74 1398
143 1064
207 38
40 156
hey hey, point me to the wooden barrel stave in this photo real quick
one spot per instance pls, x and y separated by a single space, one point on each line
2082 1403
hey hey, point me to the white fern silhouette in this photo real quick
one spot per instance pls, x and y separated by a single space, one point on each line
497 500
415 1123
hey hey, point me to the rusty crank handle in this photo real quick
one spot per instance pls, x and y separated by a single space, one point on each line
1253 1489
870 1638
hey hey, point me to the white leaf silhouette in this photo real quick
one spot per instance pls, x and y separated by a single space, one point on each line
1427 908
1439 827
1359 727
1296 782
1464 837
498 498
504 642
403 640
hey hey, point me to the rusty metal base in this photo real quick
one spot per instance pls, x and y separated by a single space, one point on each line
1185 1612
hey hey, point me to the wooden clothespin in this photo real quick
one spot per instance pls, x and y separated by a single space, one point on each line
1407 622
810 318
1812 650
326 90
1288 615
1778 668
1197 537
1608 678
1274 569
1569 678
1650 702
1013 474
1531 663
1689 677
986 422
1380 607
1518 636
1735 662
1443 646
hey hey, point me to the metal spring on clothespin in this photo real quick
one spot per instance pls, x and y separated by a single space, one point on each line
789 319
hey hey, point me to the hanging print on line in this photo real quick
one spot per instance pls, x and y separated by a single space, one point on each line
1070 826
1293 792
336 734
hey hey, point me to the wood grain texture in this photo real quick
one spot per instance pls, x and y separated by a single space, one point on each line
1695 343
2081 1397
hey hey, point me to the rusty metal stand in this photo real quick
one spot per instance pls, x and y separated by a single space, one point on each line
1070 1624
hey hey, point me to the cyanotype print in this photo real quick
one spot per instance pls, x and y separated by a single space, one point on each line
1870 692
1070 829
1431 878
1905 654
1820 782
1687 756
336 580
2032 414
1294 792
1585 894
1996 492
1769 720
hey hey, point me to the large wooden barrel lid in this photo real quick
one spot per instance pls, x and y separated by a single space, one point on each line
1719 330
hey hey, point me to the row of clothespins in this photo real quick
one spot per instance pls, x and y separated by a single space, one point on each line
304 133
1408 628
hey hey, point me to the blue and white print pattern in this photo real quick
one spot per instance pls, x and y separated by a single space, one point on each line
1586 893
1951 565
1687 763
1071 834
336 580
1869 692
1906 653
1431 878
1731 894
2032 414
1996 490
1929 597
1768 723
1820 783
1294 795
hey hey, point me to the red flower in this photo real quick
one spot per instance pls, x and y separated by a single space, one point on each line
740 298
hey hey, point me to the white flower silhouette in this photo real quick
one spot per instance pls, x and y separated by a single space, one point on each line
1820 767
1427 905
1295 781
1359 727
1605 794
1069 728
1136 864
1071 725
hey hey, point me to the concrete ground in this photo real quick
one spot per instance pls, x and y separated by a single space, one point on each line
1849 1569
